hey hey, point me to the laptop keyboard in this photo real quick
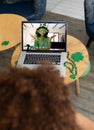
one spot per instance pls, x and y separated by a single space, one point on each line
38 58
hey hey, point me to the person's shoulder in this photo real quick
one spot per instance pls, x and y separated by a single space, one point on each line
84 122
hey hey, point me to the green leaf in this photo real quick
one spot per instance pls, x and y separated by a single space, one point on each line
72 76
5 43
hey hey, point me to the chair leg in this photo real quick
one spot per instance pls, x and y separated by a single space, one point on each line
89 43
77 87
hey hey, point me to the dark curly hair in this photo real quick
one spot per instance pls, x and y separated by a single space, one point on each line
35 99
38 34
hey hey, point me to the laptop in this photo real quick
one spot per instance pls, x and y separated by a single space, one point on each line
43 41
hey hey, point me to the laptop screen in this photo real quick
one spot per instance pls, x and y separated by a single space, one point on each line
44 36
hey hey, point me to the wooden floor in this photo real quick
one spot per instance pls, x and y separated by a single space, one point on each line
73 8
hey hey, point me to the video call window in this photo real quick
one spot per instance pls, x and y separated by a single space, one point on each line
43 35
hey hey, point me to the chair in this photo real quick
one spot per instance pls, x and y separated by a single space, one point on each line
89 20
30 9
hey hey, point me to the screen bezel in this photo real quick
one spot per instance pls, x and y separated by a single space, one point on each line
66 24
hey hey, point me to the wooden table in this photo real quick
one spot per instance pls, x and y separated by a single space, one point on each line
10 30
73 45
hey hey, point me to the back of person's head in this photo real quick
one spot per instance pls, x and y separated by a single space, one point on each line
35 100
